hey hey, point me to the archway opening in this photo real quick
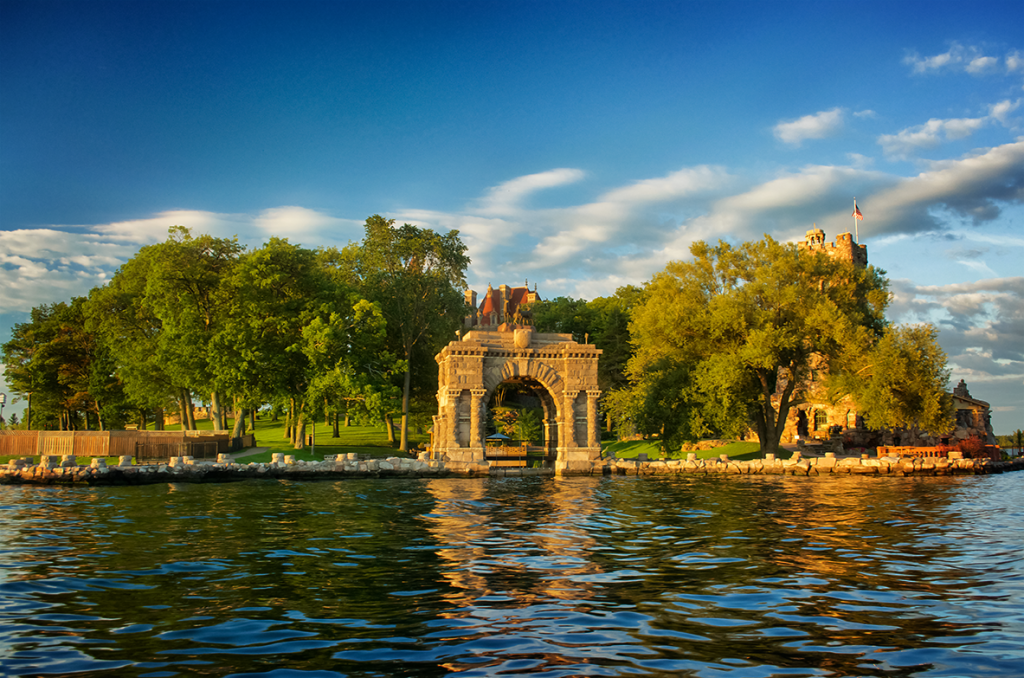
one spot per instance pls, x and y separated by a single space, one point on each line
521 414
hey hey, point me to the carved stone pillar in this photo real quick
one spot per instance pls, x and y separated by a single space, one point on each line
452 415
567 436
476 432
593 436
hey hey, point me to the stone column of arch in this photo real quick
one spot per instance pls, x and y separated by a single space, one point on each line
476 433
452 415
567 435
593 432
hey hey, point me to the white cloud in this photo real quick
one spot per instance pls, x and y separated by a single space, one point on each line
1001 111
929 135
1014 61
909 141
298 223
866 113
507 197
816 126
969 59
973 187
981 64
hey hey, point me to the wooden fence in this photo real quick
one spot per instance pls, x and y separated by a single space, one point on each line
114 443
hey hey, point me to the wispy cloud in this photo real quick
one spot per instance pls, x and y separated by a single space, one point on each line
506 198
909 141
816 126
970 59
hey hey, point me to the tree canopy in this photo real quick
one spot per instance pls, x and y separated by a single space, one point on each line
730 338
417 278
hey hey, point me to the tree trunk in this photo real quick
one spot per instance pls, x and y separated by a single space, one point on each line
404 445
215 412
182 414
239 429
346 420
252 419
28 413
190 410
289 424
99 416
158 419
391 429
142 420
300 439
335 433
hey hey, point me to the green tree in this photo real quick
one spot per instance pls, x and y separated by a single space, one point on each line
51 361
900 381
24 372
565 315
417 278
188 290
729 337
277 290
125 320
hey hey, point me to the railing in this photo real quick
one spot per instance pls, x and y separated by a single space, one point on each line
520 456
992 452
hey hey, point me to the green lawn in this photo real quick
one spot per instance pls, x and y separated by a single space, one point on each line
738 450
365 440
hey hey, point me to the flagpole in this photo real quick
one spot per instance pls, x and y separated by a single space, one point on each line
856 226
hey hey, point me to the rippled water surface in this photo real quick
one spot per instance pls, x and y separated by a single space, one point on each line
733 576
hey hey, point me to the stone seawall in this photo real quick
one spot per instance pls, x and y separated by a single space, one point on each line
51 471
818 466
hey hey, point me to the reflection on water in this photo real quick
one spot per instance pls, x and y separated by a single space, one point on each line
732 576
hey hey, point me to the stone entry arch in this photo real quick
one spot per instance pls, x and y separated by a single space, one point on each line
471 369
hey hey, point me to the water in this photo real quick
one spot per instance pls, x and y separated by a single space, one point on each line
731 576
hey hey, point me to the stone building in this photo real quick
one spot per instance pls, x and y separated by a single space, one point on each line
817 417
499 306
843 248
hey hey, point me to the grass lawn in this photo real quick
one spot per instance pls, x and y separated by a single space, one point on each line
629 449
365 440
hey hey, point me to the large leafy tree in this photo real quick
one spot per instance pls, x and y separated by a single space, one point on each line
731 336
25 366
900 380
417 278
56 363
188 290
604 322
159 314
277 290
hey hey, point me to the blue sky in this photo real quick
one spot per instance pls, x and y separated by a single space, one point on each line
579 145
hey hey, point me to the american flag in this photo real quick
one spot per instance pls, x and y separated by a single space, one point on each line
856 212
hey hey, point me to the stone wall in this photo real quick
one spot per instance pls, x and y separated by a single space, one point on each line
51 471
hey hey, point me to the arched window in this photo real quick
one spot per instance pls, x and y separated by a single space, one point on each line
851 419
820 420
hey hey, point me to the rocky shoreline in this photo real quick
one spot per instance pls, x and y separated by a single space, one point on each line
64 470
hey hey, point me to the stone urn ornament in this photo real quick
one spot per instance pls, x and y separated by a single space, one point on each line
522 336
